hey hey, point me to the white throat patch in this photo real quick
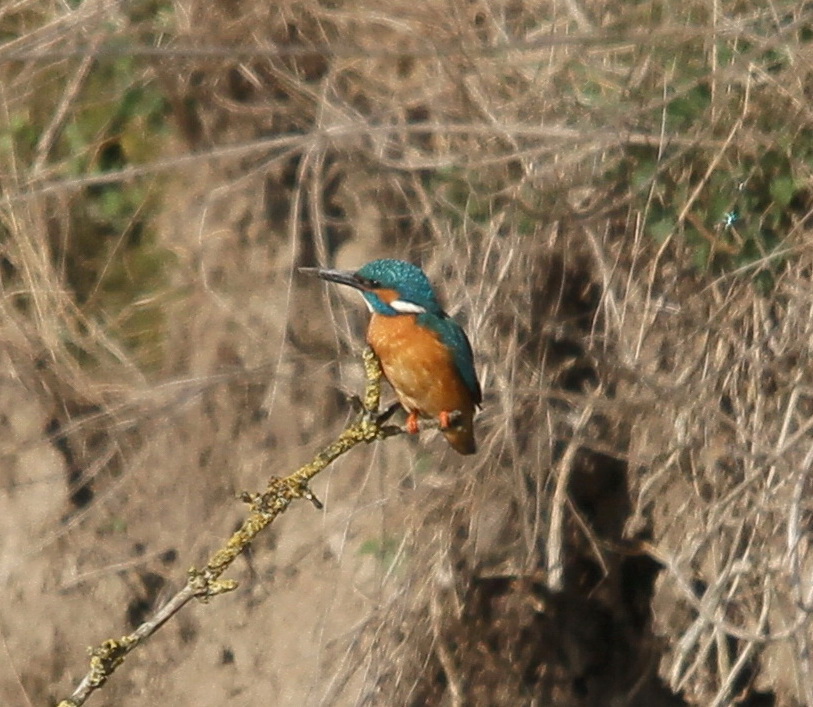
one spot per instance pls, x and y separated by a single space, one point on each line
404 307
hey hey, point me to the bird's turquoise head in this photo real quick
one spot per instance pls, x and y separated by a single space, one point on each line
389 287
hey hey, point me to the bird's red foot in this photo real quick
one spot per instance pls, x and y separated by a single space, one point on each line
448 420
412 423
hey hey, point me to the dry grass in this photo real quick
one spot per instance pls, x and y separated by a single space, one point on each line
635 529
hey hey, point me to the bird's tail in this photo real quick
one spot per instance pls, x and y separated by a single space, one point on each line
460 435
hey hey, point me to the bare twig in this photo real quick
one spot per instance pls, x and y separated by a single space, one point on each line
555 545
69 95
265 507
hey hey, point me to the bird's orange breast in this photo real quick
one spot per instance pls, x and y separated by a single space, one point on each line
418 366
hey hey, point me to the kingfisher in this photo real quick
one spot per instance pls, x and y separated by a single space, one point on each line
425 354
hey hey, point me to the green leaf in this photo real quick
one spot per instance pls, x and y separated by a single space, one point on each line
644 173
661 230
783 190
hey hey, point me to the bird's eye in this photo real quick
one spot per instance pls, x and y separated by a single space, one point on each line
370 284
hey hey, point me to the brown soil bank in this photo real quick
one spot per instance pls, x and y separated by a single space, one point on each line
613 197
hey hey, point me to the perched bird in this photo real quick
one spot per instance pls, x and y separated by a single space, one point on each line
425 355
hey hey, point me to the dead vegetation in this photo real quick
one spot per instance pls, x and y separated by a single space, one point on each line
615 199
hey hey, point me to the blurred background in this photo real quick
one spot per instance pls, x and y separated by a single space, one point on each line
614 198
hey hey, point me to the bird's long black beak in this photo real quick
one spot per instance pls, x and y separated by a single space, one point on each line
343 277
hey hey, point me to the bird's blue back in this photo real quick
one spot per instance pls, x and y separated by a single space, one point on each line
453 337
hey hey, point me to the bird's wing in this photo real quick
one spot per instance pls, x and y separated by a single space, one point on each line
453 336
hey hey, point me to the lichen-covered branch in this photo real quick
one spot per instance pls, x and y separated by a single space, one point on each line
204 583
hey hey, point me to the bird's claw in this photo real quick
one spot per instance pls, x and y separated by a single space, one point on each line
450 420
412 426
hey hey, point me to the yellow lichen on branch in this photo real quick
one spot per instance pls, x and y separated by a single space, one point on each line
264 508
